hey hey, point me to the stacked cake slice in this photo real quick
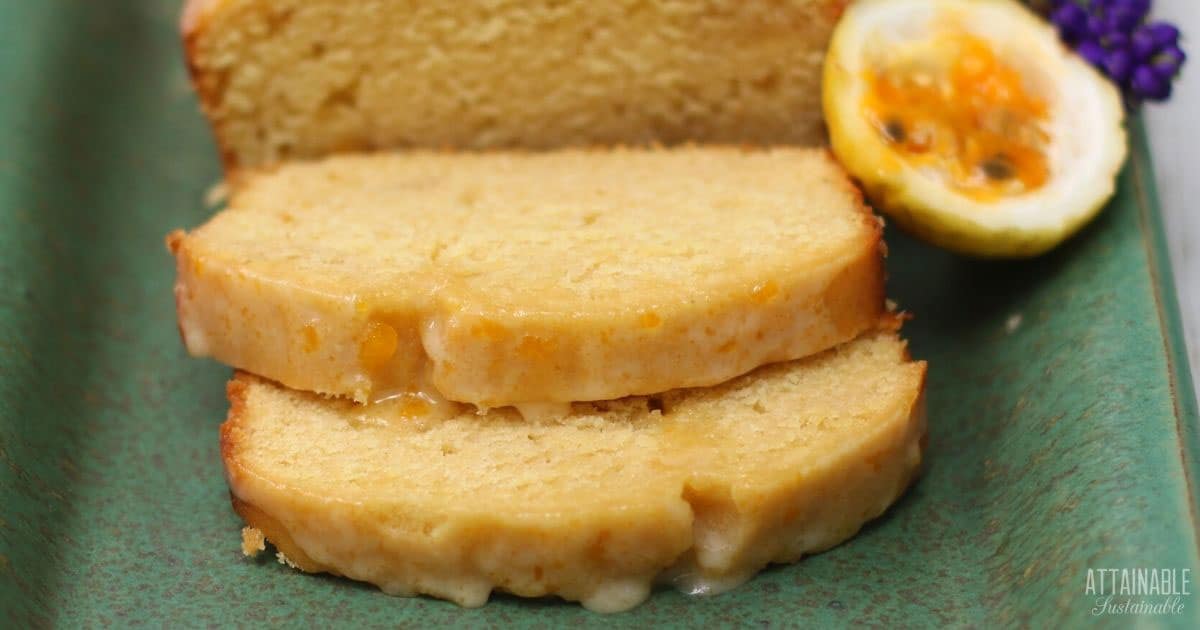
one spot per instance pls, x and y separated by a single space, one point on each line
569 373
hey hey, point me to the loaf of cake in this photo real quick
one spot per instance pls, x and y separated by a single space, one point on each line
282 79
540 296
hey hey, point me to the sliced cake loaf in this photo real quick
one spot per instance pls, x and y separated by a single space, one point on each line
302 78
510 278
701 487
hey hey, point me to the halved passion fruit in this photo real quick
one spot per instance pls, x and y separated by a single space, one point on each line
970 124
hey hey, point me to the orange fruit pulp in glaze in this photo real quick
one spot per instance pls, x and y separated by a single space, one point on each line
961 111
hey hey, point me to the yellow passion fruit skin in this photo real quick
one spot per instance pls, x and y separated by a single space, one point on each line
964 237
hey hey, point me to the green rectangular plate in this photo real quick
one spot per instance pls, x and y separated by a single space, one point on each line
1063 425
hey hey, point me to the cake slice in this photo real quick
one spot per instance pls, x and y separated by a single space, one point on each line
698 487
513 278
283 79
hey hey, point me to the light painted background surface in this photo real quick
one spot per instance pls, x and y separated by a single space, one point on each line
1175 141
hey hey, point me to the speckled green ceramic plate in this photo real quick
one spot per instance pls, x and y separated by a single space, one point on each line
1063 427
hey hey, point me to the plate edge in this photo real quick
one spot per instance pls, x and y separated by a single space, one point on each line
1183 394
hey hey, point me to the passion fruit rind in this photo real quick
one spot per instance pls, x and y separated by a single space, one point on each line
967 238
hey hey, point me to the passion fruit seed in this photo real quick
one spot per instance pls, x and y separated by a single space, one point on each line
893 131
998 167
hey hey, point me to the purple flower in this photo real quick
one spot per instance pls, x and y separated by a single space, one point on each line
1168 61
1147 84
1114 40
1072 21
1174 53
1122 19
1118 64
1164 33
1093 52
1130 12
1142 58
1142 44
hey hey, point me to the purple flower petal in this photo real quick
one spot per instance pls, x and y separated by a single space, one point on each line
1168 62
1174 52
1118 64
1147 84
1136 9
1122 20
1093 52
1115 39
1143 44
1071 20
1164 33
